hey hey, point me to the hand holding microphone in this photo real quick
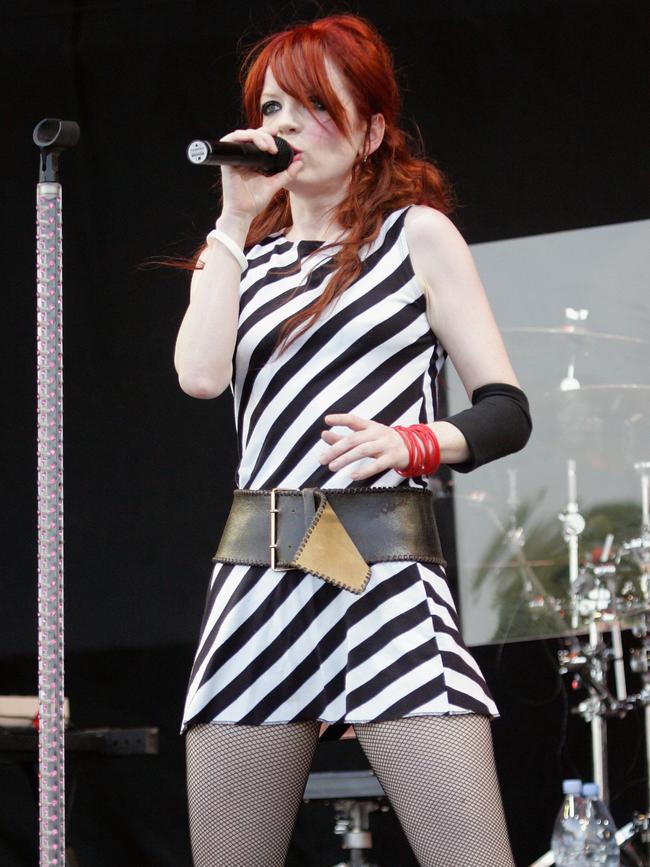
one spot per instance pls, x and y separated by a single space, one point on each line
255 166
244 154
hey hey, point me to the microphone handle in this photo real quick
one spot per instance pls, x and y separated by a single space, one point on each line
230 153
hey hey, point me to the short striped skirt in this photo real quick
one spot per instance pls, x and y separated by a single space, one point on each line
278 647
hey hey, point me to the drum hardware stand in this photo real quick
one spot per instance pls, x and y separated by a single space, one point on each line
573 524
640 664
570 383
607 569
52 137
590 665
593 666
639 550
355 795
352 821
590 662
597 605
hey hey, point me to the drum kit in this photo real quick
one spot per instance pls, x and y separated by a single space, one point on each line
601 593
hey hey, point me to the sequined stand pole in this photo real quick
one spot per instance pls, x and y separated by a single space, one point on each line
51 136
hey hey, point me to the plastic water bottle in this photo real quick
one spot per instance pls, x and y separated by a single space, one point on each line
600 840
569 831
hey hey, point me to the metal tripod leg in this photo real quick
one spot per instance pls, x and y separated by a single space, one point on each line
353 822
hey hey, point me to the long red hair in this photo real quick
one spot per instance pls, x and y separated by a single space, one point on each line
390 178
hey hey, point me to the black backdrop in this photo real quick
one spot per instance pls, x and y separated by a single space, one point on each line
533 107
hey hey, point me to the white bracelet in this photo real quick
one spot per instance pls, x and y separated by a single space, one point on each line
230 245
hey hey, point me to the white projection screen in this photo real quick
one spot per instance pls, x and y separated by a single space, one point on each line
511 554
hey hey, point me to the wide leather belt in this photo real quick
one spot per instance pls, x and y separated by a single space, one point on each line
334 534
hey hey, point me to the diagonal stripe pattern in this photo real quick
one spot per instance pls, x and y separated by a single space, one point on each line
285 646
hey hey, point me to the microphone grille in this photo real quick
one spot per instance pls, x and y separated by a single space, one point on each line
282 160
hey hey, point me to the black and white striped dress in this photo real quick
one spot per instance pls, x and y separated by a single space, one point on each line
286 646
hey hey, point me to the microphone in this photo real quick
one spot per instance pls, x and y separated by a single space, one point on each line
234 153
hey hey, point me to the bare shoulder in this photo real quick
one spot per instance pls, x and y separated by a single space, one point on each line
457 305
439 253
427 225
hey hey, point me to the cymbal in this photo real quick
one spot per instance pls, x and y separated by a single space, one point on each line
622 402
572 331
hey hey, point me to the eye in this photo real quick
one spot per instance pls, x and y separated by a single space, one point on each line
270 107
318 105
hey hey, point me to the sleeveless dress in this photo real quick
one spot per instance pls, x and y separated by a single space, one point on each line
279 647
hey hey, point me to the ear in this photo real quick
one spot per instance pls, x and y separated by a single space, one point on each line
376 130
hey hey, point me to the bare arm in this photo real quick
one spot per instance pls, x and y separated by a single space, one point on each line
458 311
457 305
208 333
206 338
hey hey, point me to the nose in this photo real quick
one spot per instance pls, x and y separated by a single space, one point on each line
287 120
286 129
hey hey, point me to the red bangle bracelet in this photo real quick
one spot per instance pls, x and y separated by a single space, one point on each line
423 449
408 442
413 445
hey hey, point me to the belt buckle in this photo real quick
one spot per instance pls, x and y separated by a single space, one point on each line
273 544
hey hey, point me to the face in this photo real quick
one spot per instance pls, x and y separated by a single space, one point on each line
327 154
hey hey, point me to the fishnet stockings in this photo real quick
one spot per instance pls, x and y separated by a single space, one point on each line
439 775
245 785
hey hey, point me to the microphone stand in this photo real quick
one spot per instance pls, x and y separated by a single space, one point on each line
52 137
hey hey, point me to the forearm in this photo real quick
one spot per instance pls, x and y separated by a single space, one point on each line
497 425
208 332
453 445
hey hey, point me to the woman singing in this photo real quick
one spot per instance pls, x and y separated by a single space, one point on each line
328 298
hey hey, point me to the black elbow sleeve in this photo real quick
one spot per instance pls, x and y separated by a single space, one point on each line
497 424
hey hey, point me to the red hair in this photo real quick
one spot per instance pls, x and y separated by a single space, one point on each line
390 178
